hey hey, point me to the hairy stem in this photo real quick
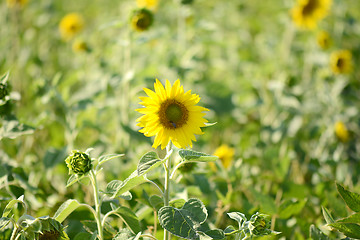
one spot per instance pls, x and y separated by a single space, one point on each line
167 167
97 205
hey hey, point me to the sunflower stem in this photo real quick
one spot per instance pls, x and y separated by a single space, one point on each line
97 204
167 184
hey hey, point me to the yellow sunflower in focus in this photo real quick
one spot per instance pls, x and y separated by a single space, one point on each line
16 3
70 25
340 61
226 155
306 13
170 114
323 39
341 131
149 4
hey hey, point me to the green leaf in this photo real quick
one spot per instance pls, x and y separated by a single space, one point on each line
146 161
4 78
290 207
84 236
328 218
184 222
349 229
126 234
213 234
189 155
237 216
156 202
130 219
229 230
4 221
10 206
177 203
72 179
316 234
355 218
13 129
104 159
351 199
66 209
266 203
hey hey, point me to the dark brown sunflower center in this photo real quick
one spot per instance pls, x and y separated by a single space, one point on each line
340 63
310 7
173 114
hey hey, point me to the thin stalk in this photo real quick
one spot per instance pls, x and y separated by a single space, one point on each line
97 205
13 235
167 167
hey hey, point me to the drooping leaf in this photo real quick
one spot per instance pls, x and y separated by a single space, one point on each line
351 199
105 158
9 207
130 219
351 230
184 222
66 209
189 155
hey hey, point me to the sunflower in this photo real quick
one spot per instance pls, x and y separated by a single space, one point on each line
149 4
141 19
70 25
340 61
170 114
323 39
341 131
307 13
226 154
16 3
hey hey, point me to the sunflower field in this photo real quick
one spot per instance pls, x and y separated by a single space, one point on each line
179 119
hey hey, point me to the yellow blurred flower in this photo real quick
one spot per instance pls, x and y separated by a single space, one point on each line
141 19
226 155
170 114
16 3
323 39
70 25
80 46
306 13
149 4
340 61
341 131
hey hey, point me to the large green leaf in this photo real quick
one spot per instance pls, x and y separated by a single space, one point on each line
355 218
147 163
66 209
351 230
184 222
351 199
189 155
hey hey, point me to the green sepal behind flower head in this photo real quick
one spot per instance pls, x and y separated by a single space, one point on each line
78 163
42 228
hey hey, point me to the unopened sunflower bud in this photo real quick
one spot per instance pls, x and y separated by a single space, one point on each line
78 163
260 224
141 19
4 90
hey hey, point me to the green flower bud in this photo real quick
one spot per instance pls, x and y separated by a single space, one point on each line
78 163
141 19
260 224
4 90
43 228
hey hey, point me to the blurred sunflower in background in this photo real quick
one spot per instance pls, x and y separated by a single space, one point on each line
70 25
225 154
16 3
170 114
149 4
141 19
323 39
341 131
80 46
306 13
341 61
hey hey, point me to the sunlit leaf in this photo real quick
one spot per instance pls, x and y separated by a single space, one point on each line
66 209
189 155
351 199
